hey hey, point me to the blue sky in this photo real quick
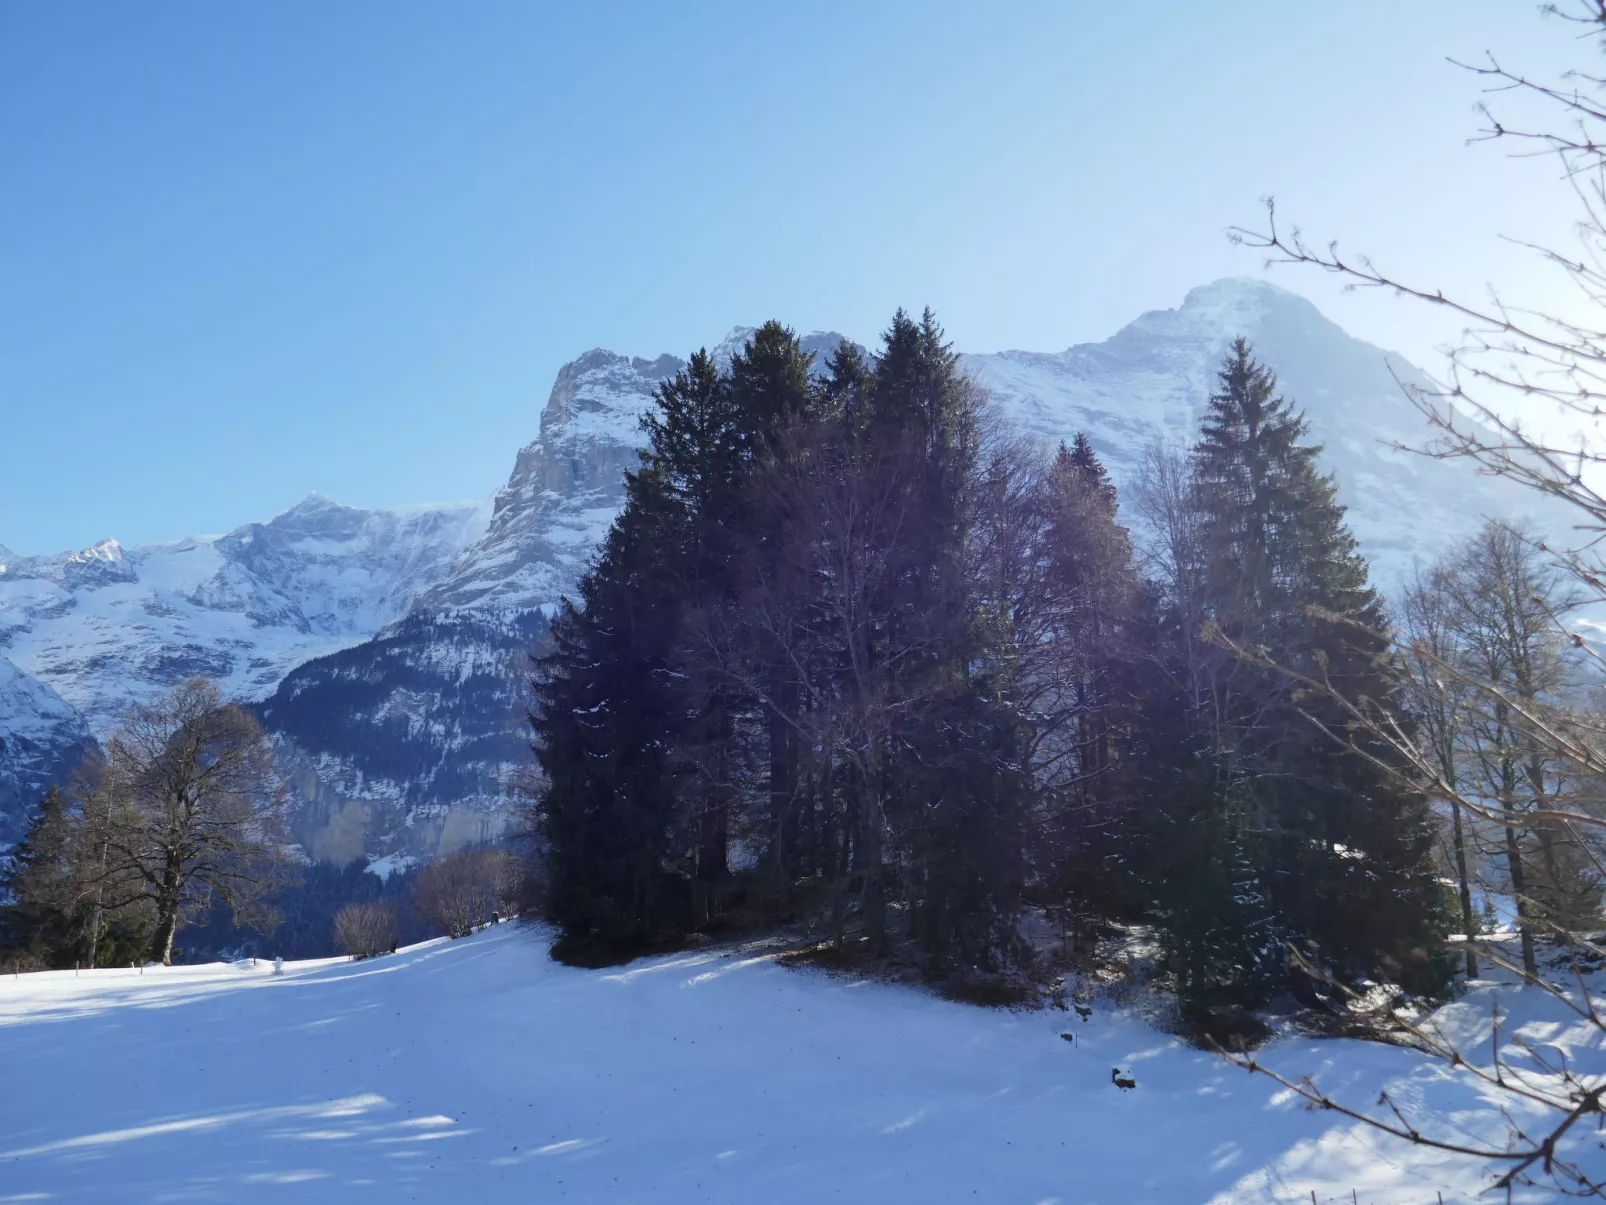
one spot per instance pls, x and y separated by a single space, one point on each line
249 251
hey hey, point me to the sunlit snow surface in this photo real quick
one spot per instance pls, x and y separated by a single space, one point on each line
480 1071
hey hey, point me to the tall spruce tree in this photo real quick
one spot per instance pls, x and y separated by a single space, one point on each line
619 728
1092 585
772 391
1337 847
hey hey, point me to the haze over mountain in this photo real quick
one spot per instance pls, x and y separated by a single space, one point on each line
387 650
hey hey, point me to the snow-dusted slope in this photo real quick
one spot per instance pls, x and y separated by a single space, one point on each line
480 1071
109 626
41 739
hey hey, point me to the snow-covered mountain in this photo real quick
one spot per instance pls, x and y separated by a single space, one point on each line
1153 378
109 626
410 742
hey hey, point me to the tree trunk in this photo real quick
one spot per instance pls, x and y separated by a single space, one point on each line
1519 890
167 905
1465 886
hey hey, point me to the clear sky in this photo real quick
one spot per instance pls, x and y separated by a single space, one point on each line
252 250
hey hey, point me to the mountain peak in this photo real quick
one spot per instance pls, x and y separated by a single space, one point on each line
313 503
1236 288
108 551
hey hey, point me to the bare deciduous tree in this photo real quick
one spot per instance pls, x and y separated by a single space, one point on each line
367 928
1539 761
461 890
189 813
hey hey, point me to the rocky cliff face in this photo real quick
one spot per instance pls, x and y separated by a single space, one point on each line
565 488
413 743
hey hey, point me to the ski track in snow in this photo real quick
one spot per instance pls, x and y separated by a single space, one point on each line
481 1071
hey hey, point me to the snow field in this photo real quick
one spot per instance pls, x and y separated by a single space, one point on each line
481 1071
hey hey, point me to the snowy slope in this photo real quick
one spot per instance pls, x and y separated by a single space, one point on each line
109 626
41 739
480 1071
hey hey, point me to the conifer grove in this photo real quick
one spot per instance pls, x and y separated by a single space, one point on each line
856 658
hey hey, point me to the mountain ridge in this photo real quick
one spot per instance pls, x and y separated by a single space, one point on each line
428 665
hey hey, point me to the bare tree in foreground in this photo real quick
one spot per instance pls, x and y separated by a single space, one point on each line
1510 359
188 813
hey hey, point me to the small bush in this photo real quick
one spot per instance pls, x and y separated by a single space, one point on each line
989 990
21 961
1225 1027
461 890
367 928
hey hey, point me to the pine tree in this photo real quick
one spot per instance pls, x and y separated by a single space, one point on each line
771 388
606 721
1342 851
41 913
1093 585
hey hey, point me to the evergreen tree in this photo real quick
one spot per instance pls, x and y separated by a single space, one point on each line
1092 586
606 721
1341 850
40 911
771 387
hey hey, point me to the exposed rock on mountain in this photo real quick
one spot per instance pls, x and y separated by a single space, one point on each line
413 742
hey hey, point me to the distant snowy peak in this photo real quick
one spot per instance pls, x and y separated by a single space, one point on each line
98 565
1153 379
348 571
108 626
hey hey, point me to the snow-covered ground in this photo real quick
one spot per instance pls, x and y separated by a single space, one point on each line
480 1071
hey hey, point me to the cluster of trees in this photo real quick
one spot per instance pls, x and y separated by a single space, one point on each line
304 907
180 827
853 655
182 813
1494 678
460 891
